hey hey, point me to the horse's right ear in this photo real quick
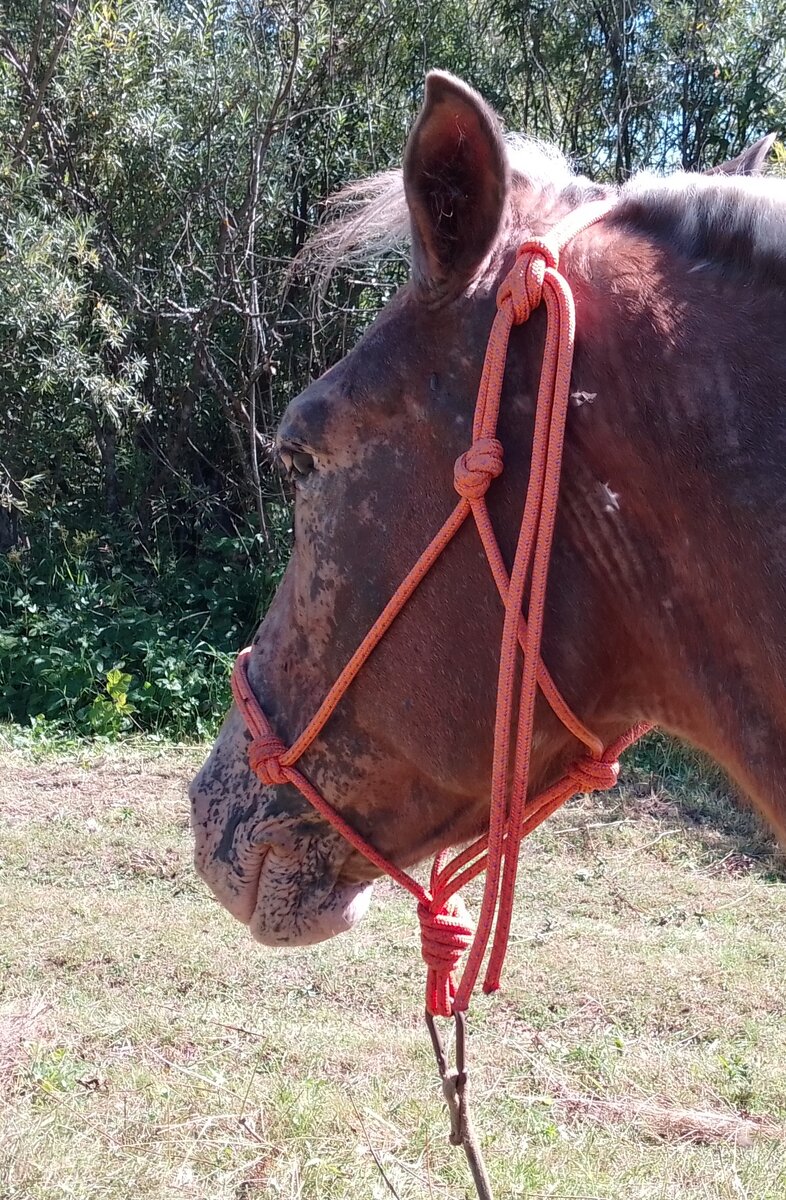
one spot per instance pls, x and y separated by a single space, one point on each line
752 161
456 179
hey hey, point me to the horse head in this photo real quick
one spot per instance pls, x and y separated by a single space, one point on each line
634 588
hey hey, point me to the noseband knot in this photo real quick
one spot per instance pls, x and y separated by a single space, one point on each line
593 774
444 937
476 467
523 285
264 758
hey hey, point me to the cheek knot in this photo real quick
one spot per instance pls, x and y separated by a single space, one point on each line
594 774
476 467
264 758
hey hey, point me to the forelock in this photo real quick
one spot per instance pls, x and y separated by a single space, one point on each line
369 218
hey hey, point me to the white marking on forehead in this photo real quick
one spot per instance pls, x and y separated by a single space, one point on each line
580 398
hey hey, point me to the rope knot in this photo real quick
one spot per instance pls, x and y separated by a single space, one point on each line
541 248
594 774
476 467
522 287
264 758
444 937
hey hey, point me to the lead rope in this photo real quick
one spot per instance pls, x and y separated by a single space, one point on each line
446 929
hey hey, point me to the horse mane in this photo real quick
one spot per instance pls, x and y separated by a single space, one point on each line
735 223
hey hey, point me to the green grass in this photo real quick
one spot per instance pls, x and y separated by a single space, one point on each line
148 1048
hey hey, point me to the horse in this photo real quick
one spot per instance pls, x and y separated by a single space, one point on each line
666 600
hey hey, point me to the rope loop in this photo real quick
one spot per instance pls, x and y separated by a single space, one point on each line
445 935
264 758
522 287
594 774
477 467
540 248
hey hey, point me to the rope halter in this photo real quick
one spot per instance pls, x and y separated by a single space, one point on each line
446 929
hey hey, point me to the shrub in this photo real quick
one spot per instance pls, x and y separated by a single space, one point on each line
97 637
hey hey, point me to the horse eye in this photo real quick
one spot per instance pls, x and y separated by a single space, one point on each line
297 462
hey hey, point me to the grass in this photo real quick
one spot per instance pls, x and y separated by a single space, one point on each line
149 1049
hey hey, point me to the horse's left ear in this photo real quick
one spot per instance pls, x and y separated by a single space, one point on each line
456 178
752 161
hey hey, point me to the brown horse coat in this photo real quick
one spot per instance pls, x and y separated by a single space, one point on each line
667 592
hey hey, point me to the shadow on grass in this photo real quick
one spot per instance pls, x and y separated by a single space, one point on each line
681 786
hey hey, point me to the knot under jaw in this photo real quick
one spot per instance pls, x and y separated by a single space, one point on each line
445 935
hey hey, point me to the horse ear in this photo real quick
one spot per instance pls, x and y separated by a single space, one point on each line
456 179
751 162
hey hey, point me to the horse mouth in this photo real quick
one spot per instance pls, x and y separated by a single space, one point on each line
270 860
293 909
288 892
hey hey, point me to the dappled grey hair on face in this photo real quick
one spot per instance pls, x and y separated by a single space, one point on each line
369 217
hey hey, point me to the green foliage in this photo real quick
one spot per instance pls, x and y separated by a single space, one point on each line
161 164
93 644
52 1072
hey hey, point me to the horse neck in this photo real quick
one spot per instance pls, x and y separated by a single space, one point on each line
675 509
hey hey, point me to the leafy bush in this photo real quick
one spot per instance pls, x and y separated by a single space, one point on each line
161 165
97 638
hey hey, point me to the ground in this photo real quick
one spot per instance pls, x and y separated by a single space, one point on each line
149 1049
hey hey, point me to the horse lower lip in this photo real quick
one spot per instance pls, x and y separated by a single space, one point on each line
240 903
339 910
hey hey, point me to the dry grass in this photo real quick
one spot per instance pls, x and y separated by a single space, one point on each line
662 1121
149 1049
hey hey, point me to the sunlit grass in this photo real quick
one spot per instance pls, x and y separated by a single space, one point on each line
149 1049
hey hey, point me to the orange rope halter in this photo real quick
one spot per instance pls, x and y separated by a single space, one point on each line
446 928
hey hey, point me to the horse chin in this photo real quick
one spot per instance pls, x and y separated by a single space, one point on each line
277 923
288 893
